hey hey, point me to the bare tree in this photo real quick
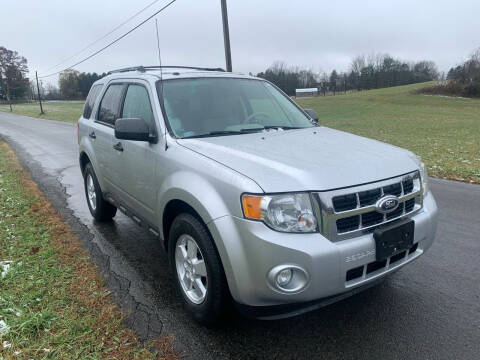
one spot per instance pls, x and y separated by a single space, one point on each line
358 63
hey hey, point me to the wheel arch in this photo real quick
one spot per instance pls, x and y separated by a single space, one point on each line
172 209
87 155
187 190
84 159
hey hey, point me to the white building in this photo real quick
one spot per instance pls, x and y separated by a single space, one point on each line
306 92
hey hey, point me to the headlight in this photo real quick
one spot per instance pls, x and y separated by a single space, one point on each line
284 212
424 178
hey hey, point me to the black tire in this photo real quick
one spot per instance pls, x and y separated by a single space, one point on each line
217 299
103 211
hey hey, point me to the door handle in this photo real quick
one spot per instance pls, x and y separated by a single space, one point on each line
118 146
92 135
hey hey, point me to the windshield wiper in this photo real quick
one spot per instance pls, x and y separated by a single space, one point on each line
242 131
283 127
269 127
214 133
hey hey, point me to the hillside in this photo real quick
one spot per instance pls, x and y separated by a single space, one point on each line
444 131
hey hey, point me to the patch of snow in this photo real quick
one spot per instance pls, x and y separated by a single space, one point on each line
5 267
4 328
449 96
17 313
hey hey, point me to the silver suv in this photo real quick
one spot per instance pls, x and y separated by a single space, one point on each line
255 203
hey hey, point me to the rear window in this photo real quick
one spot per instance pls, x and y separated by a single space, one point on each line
90 102
110 105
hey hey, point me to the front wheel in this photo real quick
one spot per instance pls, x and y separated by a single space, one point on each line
197 269
100 209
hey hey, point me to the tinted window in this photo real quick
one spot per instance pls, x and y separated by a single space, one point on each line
90 102
137 104
109 107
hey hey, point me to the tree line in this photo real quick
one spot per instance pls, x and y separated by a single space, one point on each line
73 84
462 80
364 73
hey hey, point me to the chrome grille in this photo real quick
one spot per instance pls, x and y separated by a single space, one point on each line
347 212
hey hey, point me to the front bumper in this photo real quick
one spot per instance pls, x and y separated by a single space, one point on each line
249 250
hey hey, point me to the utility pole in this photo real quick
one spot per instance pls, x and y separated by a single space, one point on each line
8 97
38 91
226 36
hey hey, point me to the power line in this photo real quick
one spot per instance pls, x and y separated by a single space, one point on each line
104 36
113 42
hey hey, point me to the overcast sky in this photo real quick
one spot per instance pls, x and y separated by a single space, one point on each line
316 34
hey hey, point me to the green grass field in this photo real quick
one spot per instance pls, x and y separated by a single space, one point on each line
444 131
54 110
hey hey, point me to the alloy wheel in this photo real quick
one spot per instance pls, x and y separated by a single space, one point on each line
92 195
191 270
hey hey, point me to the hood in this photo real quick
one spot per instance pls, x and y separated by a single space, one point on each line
317 158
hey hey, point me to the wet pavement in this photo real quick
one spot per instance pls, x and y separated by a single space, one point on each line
430 309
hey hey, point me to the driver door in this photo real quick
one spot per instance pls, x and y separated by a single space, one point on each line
135 162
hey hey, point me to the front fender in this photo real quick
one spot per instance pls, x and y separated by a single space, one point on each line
194 190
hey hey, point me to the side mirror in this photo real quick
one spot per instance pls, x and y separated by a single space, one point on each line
312 113
135 129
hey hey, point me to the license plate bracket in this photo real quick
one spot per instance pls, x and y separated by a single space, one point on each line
393 239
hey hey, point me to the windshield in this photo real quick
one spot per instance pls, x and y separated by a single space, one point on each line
199 107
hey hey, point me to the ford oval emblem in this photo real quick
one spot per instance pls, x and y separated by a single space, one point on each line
387 204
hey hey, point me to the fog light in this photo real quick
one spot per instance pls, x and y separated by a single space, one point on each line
284 277
288 278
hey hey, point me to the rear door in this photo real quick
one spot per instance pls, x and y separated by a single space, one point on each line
108 112
135 162
86 126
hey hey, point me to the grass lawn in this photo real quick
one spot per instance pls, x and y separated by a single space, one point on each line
444 131
68 111
53 304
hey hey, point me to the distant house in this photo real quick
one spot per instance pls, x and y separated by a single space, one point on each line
306 92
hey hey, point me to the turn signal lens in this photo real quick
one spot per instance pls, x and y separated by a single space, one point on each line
252 206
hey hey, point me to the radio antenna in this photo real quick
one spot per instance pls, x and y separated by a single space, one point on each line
162 105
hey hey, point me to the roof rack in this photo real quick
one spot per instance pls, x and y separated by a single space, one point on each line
145 68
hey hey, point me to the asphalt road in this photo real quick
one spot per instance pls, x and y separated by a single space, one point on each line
428 310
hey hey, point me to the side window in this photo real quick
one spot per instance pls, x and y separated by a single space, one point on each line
109 107
90 102
137 104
